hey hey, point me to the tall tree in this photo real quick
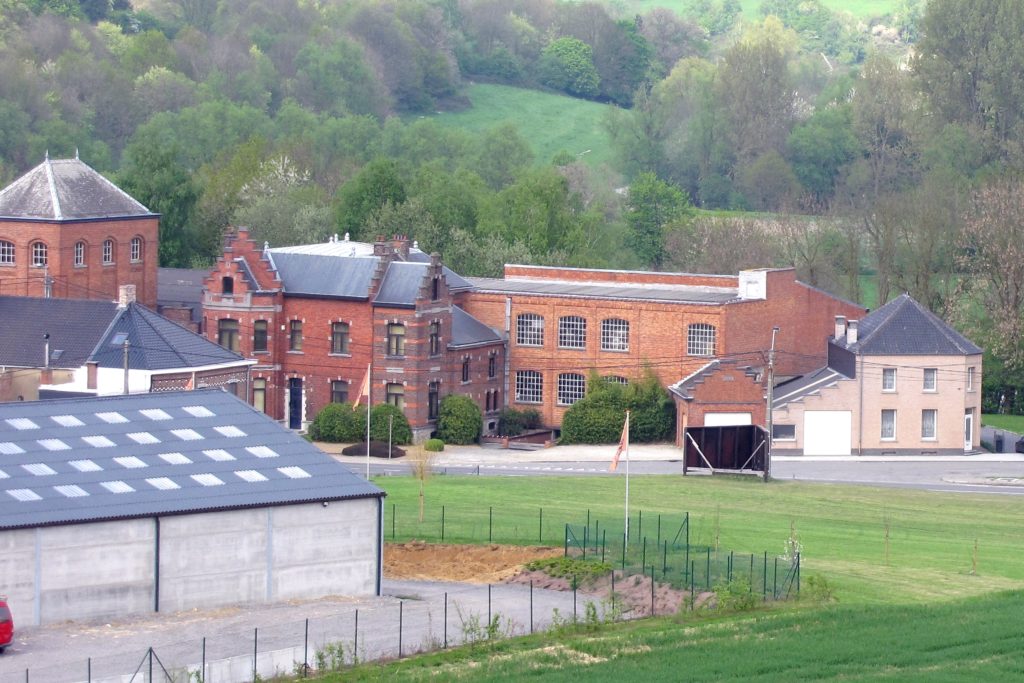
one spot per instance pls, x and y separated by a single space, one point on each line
651 207
375 185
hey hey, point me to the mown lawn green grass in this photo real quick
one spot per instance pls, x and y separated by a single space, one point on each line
929 556
975 639
549 122
1011 423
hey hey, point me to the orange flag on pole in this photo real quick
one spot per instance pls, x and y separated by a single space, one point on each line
364 389
623 444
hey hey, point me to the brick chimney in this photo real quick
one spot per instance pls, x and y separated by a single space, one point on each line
125 295
400 246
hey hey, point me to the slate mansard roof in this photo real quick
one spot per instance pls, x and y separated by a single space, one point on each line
82 460
67 189
903 327
82 330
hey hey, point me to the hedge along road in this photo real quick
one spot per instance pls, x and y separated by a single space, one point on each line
998 473
74 651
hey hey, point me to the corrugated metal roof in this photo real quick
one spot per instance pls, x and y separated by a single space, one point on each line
66 189
80 460
903 327
321 275
468 331
805 385
661 293
75 327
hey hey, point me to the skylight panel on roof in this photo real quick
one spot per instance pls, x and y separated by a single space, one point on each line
40 469
155 414
9 448
251 476
85 466
119 338
294 472
71 491
143 437
207 479
162 483
117 486
4 475
262 451
218 454
130 462
67 420
98 441
175 459
186 434
24 495
53 445
112 418
198 411
230 431
22 423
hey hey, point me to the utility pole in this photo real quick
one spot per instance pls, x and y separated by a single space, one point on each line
768 415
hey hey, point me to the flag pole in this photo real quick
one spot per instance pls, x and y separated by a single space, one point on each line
627 479
369 402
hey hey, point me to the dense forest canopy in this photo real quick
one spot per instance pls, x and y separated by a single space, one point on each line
888 147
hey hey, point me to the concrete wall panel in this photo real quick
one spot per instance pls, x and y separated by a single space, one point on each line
17 572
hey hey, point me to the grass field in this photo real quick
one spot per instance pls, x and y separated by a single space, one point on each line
550 122
931 536
1011 423
972 640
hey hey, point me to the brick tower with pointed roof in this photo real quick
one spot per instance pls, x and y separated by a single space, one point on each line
66 231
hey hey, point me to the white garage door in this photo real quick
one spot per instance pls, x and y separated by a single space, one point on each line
726 419
827 432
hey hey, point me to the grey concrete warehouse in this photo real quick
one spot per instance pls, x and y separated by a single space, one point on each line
172 501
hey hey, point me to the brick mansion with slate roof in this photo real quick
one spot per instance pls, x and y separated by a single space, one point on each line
316 316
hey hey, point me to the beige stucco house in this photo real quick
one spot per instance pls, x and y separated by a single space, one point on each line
899 381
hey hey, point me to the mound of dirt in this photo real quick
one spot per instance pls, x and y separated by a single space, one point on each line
453 562
633 591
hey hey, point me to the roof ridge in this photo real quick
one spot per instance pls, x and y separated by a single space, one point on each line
896 304
53 189
111 184
142 311
106 333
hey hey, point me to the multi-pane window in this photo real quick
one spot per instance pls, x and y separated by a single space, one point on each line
888 424
929 418
572 332
465 369
259 335
529 386
227 334
930 379
435 289
435 338
616 379
571 388
79 253
136 249
339 338
530 330
396 339
259 394
492 365
396 396
339 391
496 400
39 254
700 340
888 379
614 335
6 253
108 251
970 379
432 400
295 336
227 285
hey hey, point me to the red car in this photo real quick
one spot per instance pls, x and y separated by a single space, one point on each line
6 624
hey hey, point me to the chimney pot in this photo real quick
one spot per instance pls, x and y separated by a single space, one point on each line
851 333
125 295
840 327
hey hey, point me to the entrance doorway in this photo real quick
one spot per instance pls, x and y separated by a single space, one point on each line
969 430
295 403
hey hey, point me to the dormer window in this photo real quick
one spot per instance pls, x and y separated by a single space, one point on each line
227 285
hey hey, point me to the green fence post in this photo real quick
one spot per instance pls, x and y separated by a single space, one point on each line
798 574
566 553
623 552
490 525
640 524
775 581
693 586
664 560
708 576
604 543
585 530
442 523
392 521
731 559
764 578
643 557
659 529
687 523
540 528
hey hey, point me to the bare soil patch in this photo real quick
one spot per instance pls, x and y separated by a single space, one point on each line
494 563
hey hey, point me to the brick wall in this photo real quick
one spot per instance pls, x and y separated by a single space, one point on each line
729 388
94 279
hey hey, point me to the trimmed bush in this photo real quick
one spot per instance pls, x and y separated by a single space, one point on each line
339 423
531 418
459 420
378 449
510 422
401 433
599 416
433 445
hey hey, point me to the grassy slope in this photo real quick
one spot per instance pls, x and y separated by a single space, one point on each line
1012 423
973 640
550 122
842 528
